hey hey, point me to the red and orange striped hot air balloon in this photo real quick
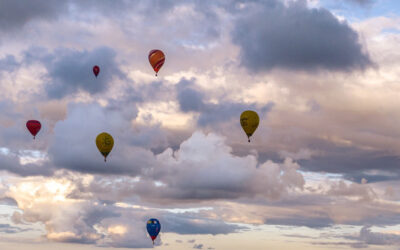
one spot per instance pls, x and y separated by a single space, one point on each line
156 59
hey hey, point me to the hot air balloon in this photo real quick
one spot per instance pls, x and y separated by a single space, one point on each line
153 228
156 59
104 143
33 127
96 70
249 121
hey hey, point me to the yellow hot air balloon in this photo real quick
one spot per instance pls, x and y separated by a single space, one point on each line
104 143
249 121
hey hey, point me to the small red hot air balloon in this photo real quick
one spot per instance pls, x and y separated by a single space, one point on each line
96 70
156 59
33 127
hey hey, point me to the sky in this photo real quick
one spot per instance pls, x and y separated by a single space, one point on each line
321 171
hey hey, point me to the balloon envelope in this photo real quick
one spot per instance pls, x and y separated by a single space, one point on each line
33 127
156 59
249 121
96 70
104 143
153 228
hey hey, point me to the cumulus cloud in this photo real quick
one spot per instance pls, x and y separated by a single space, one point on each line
361 191
205 168
89 220
293 36
88 209
74 143
39 200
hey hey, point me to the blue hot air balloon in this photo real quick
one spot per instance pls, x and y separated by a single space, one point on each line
153 228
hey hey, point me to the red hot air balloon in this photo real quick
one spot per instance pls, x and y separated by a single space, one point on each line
156 59
96 70
33 127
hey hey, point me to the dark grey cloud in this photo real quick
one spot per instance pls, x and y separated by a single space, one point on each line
193 100
271 34
15 14
341 244
354 163
13 126
8 63
189 98
367 238
373 238
117 8
198 246
71 71
190 223
8 201
8 229
361 2
318 222
11 162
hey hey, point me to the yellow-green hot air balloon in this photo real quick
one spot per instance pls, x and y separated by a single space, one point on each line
249 121
104 143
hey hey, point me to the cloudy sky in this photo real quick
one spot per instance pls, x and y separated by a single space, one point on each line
322 170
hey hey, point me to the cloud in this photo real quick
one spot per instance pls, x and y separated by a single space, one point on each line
361 2
11 161
189 98
8 229
71 70
64 219
193 100
74 142
192 223
299 221
355 163
14 15
89 220
373 238
204 168
361 191
155 171
273 35
8 63
367 238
